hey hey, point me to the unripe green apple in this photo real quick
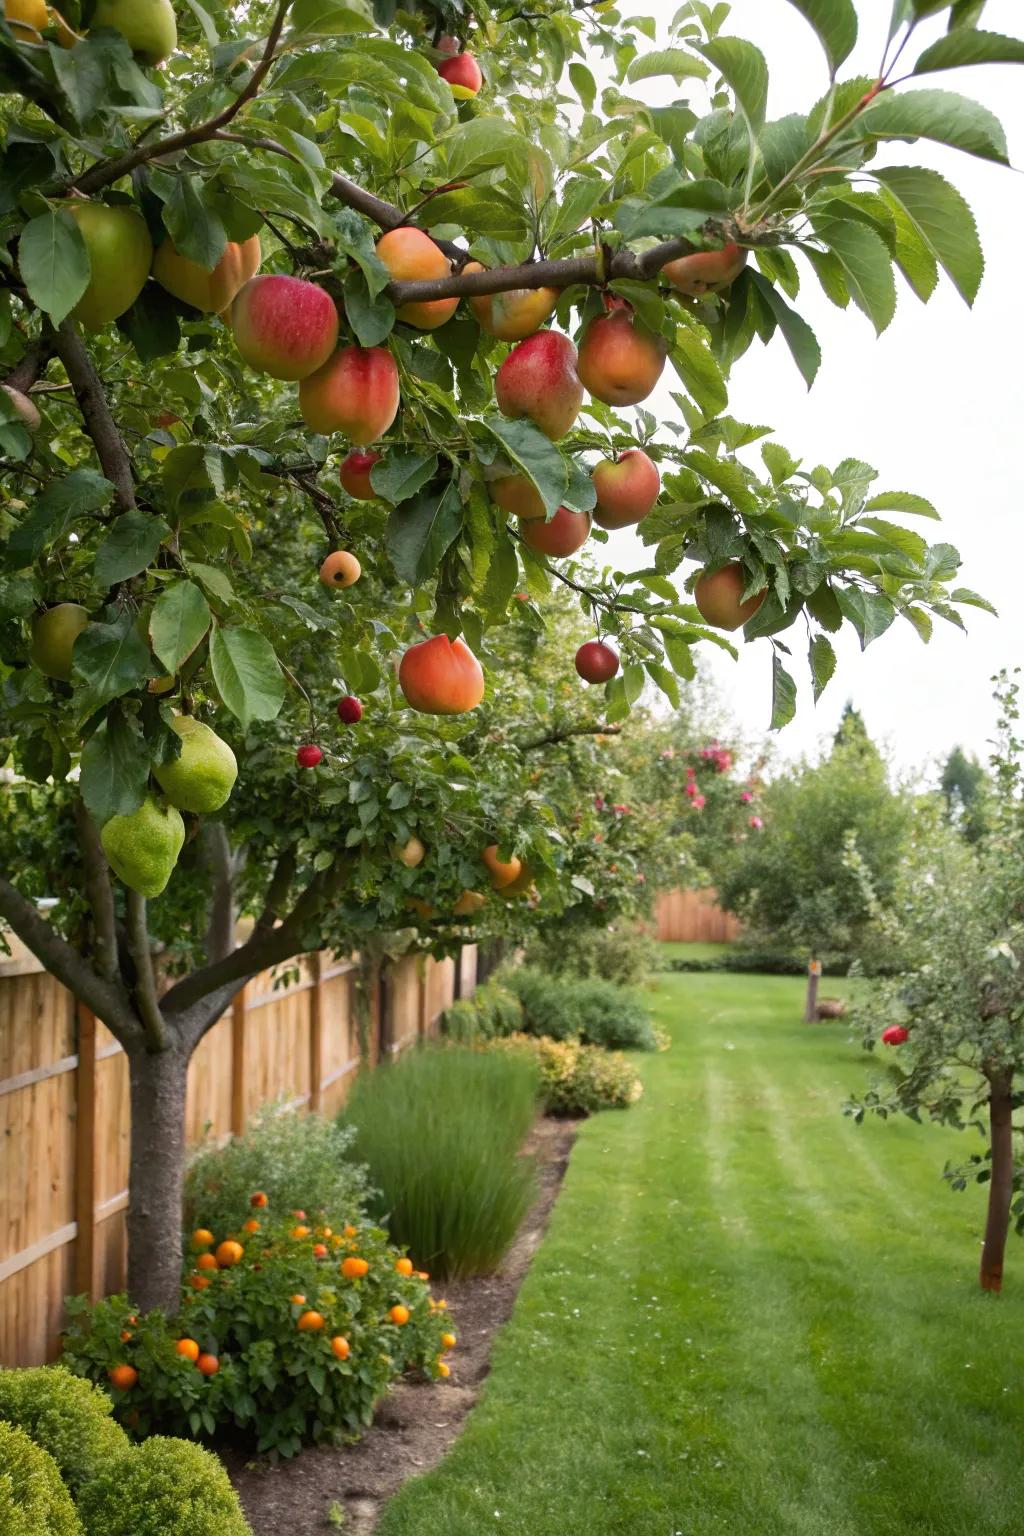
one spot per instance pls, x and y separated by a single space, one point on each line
121 254
53 638
149 27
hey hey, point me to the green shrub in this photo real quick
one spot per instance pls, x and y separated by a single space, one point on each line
440 1130
492 1012
577 1079
163 1488
546 1001
461 1023
624 955
298 1160
278 1384
68 1417
33 1500
588 1009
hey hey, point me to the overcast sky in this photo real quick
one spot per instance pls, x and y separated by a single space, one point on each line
936 405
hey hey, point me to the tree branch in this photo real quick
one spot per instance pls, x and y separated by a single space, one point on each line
277 891
556 737
100 893
220 929
145 983
31 366
95 408
107 171
71 969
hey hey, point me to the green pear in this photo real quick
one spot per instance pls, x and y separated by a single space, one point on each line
143 848
53 638
202 778
121 254
148 26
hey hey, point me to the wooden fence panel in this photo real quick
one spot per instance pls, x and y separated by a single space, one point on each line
692 917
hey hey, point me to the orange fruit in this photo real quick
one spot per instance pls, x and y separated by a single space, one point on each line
310 1322
354 1269
319 1250
133 1319
259 1200
399 1316
421 1274
208 1364
404 1267
299 1232
123 1377
252 1225
188 1348
324 1232
199 1282
341 1348
351 1231
201 1238
449 1340
443 1370
229 1254
340 569
299 1215
298 1300
126 1334
206 1261
336 1241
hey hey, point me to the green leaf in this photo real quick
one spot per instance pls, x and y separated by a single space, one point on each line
799 337
835 22
54 263
247 674
680 655
129 547
698 368
502 577
372 319
823 664
214 581
944 221
584 84
967 45
53 512
115 769
905 540
902 501
178 623
197 230
940 115
825 608
664 679
743 68
633 682
867 264
676 62
783 694
329 18
782 143
420 533
108 660
580 494
869 612
727 474
536 455
482 143
400 474
972 599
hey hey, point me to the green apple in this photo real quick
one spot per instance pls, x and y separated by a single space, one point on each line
121 254
148 26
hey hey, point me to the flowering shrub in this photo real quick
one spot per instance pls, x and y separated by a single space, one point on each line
289 1331
578 1079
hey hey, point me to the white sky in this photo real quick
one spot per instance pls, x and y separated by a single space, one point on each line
935 404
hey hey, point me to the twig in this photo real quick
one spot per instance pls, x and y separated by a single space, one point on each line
556 737
145 981
95 408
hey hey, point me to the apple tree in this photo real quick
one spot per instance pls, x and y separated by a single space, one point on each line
234 246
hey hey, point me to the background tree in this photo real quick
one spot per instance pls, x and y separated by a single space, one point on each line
161 477
965 785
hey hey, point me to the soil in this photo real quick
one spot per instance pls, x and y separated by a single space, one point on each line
418 1422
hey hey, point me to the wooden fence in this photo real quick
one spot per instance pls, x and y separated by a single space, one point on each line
64 1110
691 917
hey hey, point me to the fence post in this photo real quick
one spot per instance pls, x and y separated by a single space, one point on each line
316 1032
85 1151
239 1008
813 977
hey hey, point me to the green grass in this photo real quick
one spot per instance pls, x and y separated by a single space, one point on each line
671 951
748 1316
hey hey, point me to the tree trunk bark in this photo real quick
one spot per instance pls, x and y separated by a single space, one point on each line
158 1084
1000 1190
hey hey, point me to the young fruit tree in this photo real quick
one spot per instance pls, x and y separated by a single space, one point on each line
322 327
954 1018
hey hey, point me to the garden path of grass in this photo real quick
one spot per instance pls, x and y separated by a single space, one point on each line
748 1315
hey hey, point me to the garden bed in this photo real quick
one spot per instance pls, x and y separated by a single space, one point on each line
419 1421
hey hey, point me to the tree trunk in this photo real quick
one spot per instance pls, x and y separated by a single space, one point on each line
1000 1190
811 1006
158 1085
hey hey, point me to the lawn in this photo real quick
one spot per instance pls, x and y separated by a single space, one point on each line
693 951
748 1316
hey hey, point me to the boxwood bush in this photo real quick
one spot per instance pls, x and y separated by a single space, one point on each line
588 1009
163 1488
68 1417
33 1500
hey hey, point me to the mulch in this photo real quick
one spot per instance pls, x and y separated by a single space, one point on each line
418 1422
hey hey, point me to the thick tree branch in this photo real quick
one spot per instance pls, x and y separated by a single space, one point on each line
105 999
100 893
277 892
145 978
29 369
95 408
555 738
108 171
220 928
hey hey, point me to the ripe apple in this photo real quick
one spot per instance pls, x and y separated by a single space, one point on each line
27 17
309 756
514 315
355 475
208 291
706 271
120 254
350 710
441 677
284 326
356 392
24 408
502 874
718 593
596 662
341 569
463 74
627 489
539 380
619 362
411 854
566 533
411 256
67 37
53 639
148 26
895 1035
469 904
516 494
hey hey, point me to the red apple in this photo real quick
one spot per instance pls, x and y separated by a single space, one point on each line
355 475
718 596
356 392
627 489
895 1035
516 494
538 380
441 677
502 874
463 75
564 535
309 756
350 710
209 291
620 362
706 271
284 326
596 662
411 256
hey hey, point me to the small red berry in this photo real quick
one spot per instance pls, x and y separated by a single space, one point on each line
350 711
895 1035
309 756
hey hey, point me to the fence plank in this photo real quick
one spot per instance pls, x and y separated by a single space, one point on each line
85 1152
316 1033
239 1066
